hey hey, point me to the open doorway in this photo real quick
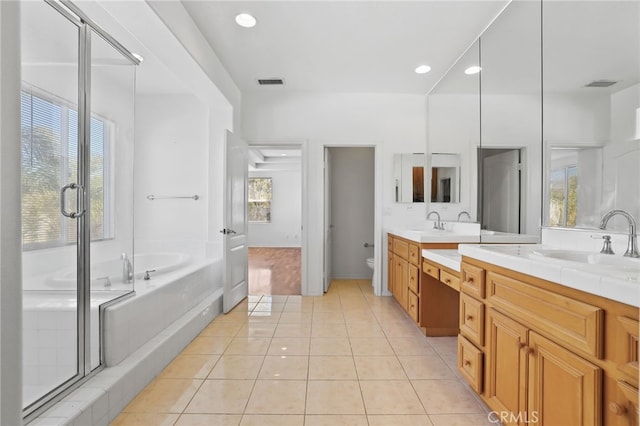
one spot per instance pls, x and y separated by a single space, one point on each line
349 213
275 219
500 191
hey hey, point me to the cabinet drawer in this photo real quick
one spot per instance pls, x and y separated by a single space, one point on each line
569 321
472 319
472 280
431 269
470 361
414 279
414 254
401 248
450 280
413 306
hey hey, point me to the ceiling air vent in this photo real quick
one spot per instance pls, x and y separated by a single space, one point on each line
601 83
270 81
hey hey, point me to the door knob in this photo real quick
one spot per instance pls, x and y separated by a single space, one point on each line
227 231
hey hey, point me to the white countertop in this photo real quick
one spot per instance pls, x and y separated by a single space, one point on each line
622 285
507 237
435 236
446 257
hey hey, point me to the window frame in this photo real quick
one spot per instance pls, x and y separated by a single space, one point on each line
251 201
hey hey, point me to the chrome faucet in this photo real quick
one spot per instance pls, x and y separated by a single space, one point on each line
465 213
632 244
437 224
127 269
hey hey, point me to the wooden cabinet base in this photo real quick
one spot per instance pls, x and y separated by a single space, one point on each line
439 307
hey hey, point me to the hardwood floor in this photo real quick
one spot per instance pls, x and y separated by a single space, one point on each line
274 271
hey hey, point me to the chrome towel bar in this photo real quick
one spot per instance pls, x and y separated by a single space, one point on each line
153 197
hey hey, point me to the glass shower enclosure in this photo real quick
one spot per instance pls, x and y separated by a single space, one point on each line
77 120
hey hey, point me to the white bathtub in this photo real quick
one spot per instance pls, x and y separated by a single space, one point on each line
108 274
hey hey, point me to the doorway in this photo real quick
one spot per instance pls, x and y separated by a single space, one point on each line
349 213
275 219
500 191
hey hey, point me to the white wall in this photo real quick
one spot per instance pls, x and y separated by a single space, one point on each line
171 159
352 211
284 230
392 123
10 229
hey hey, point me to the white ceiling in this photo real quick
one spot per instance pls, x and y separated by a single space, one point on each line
342 46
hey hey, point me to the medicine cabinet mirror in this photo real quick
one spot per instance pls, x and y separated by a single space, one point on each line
408 178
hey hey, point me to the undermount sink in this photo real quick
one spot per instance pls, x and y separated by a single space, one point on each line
617 262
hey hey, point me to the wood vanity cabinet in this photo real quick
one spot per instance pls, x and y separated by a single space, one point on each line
405 282
403 278
546 353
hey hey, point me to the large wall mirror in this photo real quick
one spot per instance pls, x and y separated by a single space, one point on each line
591 112
510 156
453 137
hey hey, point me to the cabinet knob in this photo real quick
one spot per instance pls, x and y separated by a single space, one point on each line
522 345
467 362
531 351
617 409
448 281
469 317
470 280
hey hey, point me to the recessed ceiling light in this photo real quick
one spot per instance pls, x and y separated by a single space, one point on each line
245 20
283 155
473 70
423 69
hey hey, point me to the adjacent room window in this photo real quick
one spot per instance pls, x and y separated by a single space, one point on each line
563 200
49 151
260 197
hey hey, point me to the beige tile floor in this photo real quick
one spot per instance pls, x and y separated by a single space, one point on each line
346 358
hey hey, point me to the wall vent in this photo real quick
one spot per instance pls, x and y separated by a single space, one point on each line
270 81
601 83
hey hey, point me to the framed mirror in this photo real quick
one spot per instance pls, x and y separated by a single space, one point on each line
591 113
408 178
444 178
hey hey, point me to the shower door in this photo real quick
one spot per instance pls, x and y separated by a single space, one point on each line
77 166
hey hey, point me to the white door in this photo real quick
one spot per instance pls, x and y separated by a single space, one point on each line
327 219
501 204
236 262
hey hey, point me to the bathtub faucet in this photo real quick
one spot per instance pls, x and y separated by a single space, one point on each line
127 269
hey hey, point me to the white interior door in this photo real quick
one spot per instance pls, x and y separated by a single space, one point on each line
501 209
327 219
236 262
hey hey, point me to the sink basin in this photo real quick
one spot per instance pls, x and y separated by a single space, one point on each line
607 261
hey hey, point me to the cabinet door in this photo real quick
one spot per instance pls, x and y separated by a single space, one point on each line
564 389
506 364
624 411
401 281
390 273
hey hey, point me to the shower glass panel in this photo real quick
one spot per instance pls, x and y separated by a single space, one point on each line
49 105
77 193
110 179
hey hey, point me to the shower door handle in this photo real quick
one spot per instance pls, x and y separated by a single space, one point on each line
80 201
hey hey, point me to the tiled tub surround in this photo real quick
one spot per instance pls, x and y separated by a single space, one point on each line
609 282
141 335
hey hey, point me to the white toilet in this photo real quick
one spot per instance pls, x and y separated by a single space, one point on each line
370 262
